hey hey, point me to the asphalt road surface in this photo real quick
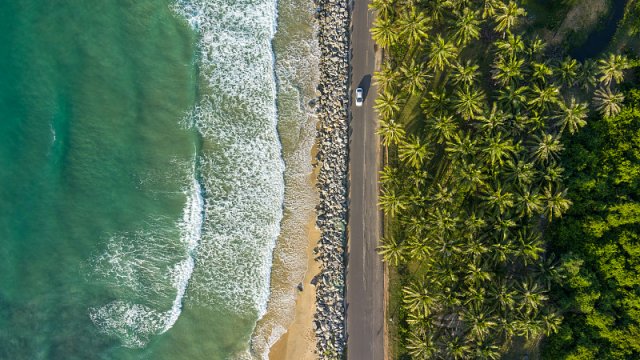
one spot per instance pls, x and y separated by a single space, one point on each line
365 279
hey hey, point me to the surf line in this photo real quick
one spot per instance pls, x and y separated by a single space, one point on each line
191 232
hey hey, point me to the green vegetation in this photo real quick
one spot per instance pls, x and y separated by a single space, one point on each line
631 21
599 242
473 115
627 36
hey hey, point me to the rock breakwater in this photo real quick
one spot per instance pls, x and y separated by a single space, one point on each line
333 111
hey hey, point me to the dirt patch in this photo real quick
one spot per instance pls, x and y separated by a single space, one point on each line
581 18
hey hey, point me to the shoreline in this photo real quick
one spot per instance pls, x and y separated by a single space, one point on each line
298 342
318 329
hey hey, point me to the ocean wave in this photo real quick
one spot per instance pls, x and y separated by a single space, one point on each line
151 269
240 163
297 63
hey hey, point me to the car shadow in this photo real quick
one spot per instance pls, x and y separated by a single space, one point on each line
365 84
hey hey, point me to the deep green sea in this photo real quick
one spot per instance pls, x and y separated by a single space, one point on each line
142 176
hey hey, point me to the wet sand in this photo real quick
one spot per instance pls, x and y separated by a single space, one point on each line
299 343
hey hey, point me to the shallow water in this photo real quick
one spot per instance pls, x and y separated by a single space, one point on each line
141 177
93 201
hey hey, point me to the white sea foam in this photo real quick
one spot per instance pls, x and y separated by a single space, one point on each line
240 164
191 230
240 168
150 267
297 64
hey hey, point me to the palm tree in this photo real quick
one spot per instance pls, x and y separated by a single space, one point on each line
479 322
469 102
443 222
435 103
493 121
511 46
487 351
415 77
437 9
419 249
392 203
530 295
553 173
543 97
507 16
529 246
471 177
384 32
441 195
413 152
498 198
414 26
501 251
461 146
520 172
528 201
507 70
608 102
441 53
546 148
420 346
442 128
572 116
476 275
555 202
391 251
467 27
504 225
568 70
418 299
551 323
456 349
498 149
387 104
536 47
389 176
386 78
465 74
474 223
392 133
528 326
489 8
587 76
513 97
541 71
502 295
384 8
476 249
612 68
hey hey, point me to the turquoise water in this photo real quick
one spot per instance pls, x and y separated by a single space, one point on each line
141 177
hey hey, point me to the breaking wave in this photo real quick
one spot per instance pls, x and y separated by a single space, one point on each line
151 270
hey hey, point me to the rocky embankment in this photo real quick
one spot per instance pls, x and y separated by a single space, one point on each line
333 101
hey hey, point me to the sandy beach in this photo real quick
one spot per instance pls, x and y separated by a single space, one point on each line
298 343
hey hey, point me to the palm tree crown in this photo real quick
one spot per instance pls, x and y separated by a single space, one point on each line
441 53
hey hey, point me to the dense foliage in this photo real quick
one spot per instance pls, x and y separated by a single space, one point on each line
599 239
632 17
472 113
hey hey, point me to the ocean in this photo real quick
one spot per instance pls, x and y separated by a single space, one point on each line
154 160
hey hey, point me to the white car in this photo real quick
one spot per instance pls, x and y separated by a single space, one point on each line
359 97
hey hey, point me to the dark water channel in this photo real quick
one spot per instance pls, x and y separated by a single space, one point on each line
599 39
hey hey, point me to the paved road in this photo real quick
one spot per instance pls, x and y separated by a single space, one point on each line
365 282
